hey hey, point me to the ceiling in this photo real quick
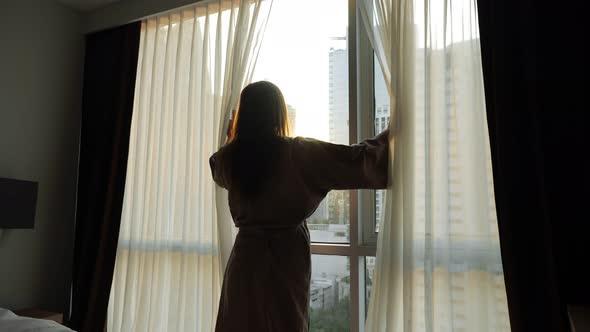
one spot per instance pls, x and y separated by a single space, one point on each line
87 5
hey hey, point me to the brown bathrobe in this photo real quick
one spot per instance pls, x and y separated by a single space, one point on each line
267 279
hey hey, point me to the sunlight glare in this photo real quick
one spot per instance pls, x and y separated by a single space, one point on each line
294 56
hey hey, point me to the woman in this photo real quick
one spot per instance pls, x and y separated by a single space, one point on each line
275 182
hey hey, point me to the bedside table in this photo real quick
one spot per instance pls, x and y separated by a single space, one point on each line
41 314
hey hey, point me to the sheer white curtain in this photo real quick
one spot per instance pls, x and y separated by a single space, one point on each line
438 264
173 241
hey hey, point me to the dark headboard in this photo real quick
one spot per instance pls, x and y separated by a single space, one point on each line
18 200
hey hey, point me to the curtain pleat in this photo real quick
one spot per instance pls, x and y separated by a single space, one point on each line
438 265
176 231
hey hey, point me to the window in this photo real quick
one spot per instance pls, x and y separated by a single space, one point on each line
317 67
336 92
314 80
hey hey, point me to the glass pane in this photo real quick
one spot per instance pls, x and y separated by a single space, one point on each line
310 65
369 272
330 293
382 102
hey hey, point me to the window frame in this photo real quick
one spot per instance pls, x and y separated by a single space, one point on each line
365 80
362 232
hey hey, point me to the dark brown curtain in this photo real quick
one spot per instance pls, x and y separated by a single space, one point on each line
539 141
109 83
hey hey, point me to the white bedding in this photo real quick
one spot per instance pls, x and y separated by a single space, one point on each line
10 322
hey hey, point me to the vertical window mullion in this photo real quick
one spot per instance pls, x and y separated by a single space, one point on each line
365 125
355 315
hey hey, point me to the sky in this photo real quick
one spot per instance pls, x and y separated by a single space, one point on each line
294 56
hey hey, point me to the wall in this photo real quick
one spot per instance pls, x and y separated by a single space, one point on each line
41 57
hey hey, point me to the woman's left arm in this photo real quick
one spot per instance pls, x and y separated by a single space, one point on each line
328 166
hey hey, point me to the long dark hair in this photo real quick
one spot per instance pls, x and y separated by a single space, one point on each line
255 134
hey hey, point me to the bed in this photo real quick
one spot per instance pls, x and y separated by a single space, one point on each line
9 321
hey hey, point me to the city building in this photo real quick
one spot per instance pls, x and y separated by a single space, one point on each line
323 293
441 103
338 201
292 117
339 131
338 96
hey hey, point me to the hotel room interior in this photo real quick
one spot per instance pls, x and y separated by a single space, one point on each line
74 79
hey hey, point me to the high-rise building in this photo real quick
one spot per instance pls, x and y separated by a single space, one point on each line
338 96
443 103
338 201
339 130
292 117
